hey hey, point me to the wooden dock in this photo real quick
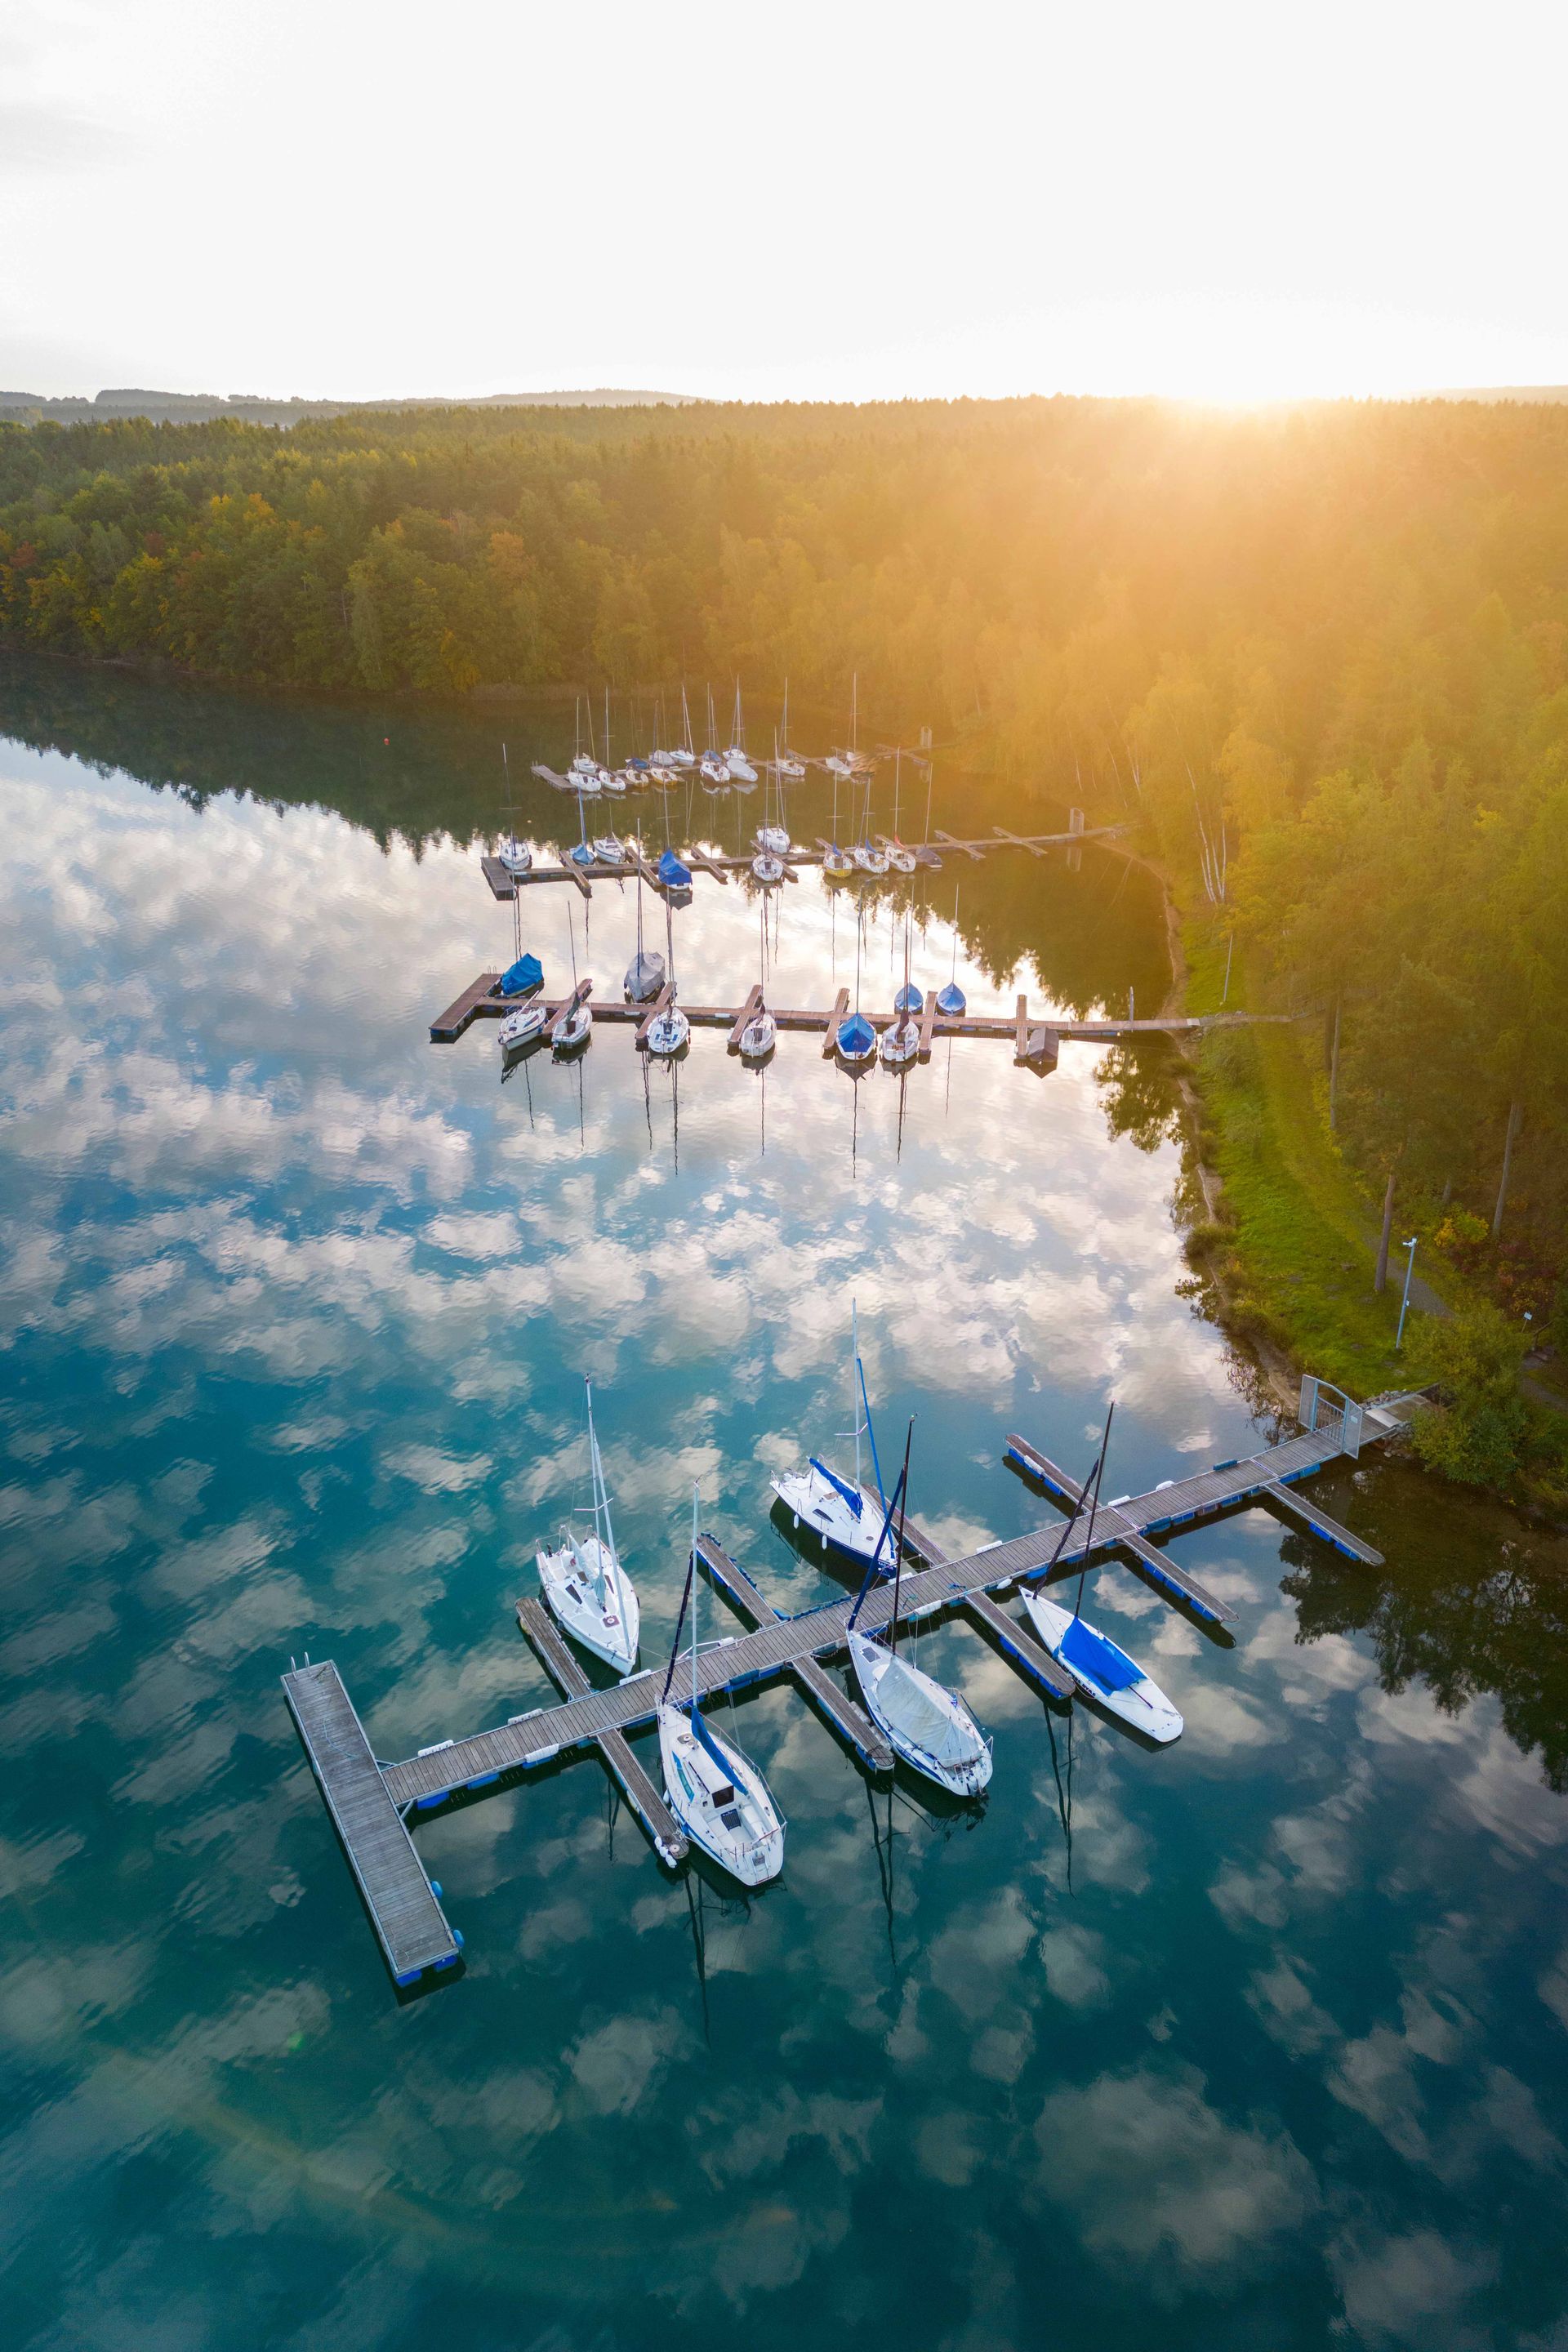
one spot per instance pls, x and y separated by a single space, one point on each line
369 1803
1036 1044
646 1801
409 1922
721 864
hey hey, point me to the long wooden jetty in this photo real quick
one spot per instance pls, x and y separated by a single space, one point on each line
371 1803
720 864
1033 1041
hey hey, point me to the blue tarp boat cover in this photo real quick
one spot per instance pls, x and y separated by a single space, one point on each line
1090 1654
838 1485
525 974
672 874
951 1000
855 1037
909 998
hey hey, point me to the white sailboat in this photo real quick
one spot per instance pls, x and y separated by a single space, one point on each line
923 1722
645 974
902 860
715 1791
760 1034
683 756
574 1028
1103 1671
901 1040
514 854
711 767
772 840
669 1029
787 762
735 758
585 1588
840 1511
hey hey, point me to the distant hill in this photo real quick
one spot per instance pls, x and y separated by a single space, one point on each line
1531 392
253 408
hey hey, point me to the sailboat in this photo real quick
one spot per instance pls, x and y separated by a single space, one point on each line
586 1590
735 758
715 1791
581 853
574 1028
785 759
669 1029
610 850
514 854
857 1040
869 857
901 1039
760 1034
924 1723
1101 1669
841 1511
951 1000
522 977
672 874
773 838
683 756
645 974
902 860
715 775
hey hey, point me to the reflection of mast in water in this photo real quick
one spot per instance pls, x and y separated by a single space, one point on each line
582 1136
698 1943
763 1112
1064 1799
903 1087
675 1106
647 1096
883 1840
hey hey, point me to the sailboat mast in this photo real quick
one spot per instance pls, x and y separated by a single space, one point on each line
601 1491
854 1389
694 1600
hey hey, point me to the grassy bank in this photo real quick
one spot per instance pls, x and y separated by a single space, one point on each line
1292 1248
1287 1248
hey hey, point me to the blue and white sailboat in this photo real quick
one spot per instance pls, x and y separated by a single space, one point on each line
837 1510
715 1791
1101 1669
951 1000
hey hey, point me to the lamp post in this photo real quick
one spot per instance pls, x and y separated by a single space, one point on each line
1404 1302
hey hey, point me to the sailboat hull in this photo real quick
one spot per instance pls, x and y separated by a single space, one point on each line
926 1725
819 1508
722 1801
567 1579
1139 1703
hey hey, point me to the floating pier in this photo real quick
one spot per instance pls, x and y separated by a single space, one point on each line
720 864
1034 1042
369 1803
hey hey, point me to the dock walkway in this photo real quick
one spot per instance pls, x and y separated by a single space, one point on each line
408 1921
370 1802
720 864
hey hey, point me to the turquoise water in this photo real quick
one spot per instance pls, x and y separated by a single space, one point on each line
1256 2040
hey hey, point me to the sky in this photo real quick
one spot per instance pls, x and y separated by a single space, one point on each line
829 201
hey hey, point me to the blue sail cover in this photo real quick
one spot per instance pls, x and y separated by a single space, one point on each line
909 998
525 974
856 1038
1092 1655
838 1484
672 874
952 1001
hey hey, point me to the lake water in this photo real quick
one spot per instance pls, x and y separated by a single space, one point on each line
1260 2040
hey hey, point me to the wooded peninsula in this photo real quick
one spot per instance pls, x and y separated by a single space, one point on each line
1318 655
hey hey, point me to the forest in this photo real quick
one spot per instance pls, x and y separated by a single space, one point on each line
1319 656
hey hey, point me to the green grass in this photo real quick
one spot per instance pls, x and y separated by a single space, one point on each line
1297 1259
